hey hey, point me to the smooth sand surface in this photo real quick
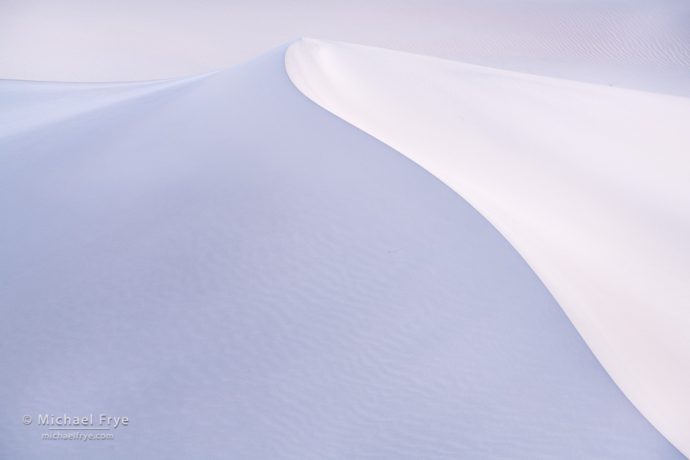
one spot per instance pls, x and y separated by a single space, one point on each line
246 276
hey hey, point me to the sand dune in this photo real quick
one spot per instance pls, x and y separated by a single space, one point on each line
591 184
245 275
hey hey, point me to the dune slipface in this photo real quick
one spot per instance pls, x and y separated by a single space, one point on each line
244 275
590 183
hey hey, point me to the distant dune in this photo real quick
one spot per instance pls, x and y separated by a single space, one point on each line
629 43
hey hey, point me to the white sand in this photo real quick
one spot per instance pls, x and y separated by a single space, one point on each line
590 183
245 275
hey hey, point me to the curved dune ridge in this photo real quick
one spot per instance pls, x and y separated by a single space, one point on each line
591 184
245 275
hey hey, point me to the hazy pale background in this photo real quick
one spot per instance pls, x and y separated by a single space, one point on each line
636 43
